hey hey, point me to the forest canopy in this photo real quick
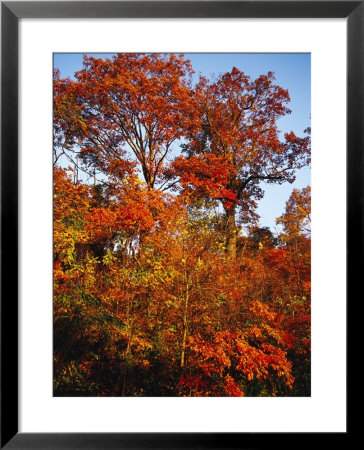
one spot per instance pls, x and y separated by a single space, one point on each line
157 289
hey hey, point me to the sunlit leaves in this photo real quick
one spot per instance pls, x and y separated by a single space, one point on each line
149 298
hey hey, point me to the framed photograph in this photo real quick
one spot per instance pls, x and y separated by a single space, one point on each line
159 282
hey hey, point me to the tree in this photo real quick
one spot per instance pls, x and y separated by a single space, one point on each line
297 218
237 142
175 313
132 103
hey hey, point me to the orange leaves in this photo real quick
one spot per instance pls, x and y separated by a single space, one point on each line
279 363
262 311
69 199
251 361
151 297
231 353
206 176
237 123
100 224
103 223
213 357
136 270
231 388
135 101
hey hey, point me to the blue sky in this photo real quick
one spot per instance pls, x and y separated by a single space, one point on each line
292 72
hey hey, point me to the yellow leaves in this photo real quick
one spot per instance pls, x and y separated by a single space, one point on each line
154 285
184 233
169 304
138 343
158 266
108 258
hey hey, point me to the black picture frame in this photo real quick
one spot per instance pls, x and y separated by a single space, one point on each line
11 12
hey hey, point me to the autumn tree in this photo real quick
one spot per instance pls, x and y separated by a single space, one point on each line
132 103
296 219
236 145
296 242
178 316
176 313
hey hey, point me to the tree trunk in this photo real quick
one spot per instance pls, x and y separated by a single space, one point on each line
230 232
